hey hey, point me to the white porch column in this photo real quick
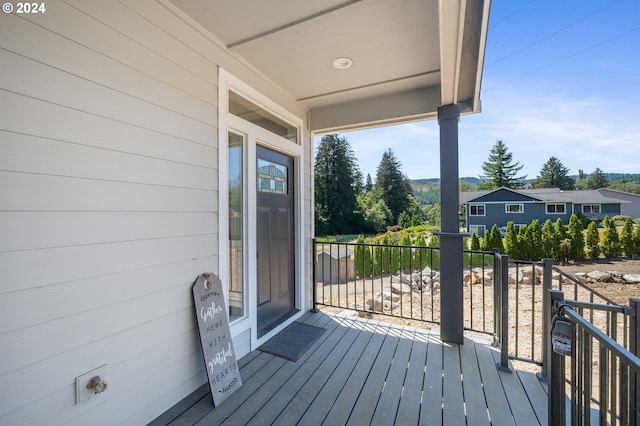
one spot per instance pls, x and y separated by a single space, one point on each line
451 297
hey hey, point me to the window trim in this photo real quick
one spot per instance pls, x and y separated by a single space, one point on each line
506 208
477 205
484 230
591 206
564 205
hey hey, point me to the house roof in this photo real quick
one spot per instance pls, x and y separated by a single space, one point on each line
548 195
408 57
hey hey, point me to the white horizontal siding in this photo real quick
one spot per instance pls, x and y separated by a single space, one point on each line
109 211
109 205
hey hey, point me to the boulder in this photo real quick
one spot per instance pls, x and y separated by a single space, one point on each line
600 276
471 278
400 288
631 278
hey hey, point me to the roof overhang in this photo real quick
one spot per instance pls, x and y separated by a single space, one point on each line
408 56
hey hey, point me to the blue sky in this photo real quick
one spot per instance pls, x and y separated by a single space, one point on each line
561 78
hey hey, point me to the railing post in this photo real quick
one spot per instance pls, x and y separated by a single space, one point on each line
504 314
314 283
556 398
634 348
497 301
547 278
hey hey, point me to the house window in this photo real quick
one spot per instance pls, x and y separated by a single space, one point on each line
514 208
257 115
591 208
478 229
476 210
235 173
556 208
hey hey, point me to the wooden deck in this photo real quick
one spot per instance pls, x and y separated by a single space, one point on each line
364 372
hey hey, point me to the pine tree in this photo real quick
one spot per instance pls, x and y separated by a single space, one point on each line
574 232
610 240
560 230
534 236
554 175
499 170
363 259
405 253
550 242
475 242
420 256
368 186
626 238
336 179
524 246
493 240
392 186
592 243
511 241
597 180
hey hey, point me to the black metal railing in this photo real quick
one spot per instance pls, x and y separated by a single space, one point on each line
603 375
400 281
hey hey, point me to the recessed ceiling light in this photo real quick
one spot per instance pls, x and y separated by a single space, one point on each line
342 63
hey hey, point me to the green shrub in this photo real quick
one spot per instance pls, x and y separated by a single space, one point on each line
592 243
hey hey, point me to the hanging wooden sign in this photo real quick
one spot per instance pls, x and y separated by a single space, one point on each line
215 336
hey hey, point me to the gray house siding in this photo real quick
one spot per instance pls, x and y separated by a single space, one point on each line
630 202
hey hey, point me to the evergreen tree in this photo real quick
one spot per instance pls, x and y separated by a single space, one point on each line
534 236
368 186
405 253
475 242
581 180
626 238
511 241
550 242
337 180
597 180
420 256
499 170
561 232
524 246
610 240
554 175
493 240
363 260
592 243
636 237
392 186
574 232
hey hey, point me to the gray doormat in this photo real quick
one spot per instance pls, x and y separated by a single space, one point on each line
292 342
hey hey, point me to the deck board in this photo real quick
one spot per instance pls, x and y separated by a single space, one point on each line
475 402
387 407
363 372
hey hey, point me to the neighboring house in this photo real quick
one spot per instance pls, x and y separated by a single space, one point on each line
335 265
483 209
631 202
146 142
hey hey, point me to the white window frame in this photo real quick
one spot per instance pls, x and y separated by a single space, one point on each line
476 228
564 208
484 209
591 208
520 205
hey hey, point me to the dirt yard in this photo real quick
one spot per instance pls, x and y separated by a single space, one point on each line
619 293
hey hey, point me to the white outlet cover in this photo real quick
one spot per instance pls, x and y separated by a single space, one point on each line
82 393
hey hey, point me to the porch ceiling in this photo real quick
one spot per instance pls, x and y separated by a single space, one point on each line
409 56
